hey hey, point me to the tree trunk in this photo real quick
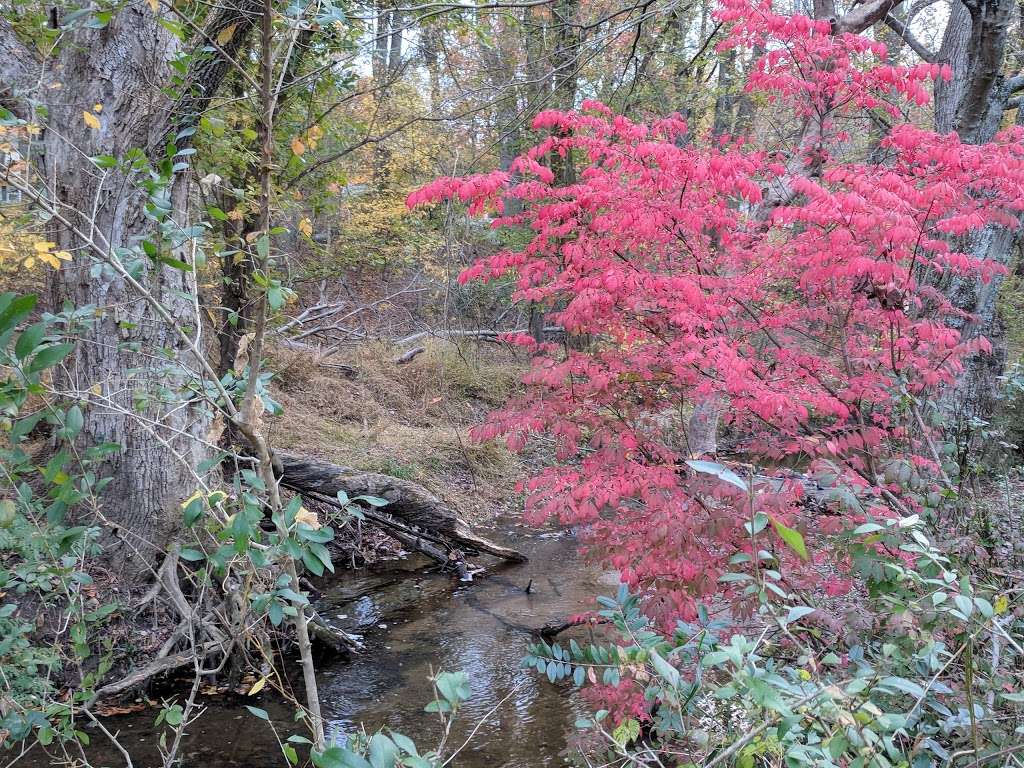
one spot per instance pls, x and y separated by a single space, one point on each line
127 356
130 367
973 103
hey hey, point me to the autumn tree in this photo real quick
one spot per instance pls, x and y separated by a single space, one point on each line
705 269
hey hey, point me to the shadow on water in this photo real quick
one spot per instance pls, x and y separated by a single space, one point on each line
414 620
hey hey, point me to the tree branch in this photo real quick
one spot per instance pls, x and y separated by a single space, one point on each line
903 31
227 31
865 16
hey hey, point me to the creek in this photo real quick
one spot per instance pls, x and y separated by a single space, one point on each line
415 620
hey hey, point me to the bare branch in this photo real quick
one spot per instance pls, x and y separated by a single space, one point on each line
865 16
905 34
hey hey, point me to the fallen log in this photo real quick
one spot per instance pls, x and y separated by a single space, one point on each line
408 503
408 356
431 546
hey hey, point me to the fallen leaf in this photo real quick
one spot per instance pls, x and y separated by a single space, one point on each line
91 120
306 227
297 146
257 686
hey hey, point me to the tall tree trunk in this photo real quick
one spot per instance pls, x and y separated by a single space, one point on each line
127 351
973 103
130 365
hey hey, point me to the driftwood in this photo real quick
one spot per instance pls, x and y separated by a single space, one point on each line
409 504
336 639
417 541
486 334
407 356
156 667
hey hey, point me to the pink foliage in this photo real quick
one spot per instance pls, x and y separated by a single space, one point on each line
788 283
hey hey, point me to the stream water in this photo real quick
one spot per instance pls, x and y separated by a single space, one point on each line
414 620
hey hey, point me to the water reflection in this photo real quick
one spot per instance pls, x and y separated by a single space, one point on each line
414 621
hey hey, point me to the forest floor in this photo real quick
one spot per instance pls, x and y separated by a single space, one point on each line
410 421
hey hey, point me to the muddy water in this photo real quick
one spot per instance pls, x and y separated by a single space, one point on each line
415 620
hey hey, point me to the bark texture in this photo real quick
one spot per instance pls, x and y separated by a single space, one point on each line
973 103
129 365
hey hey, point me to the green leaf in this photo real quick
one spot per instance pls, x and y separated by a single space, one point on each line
193 511
312 562
867 528
579 676
454 686
217 213
669 673
720 471
383 752
29 340
628 730
338 757
173 716
275 297
964 603
260 713
797 612
14 310
902 684
49 357
191 555
373 501
404 743
792 538
73 421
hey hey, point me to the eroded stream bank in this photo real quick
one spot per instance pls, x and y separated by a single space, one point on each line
414 620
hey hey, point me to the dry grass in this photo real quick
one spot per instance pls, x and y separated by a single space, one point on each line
410 421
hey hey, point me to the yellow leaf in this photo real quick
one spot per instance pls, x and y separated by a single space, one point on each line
257 686
62 255
306 227
97 390
91 120
97 108
1002 605
308 518
154 5
42 246
297 146
225 35
29 262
